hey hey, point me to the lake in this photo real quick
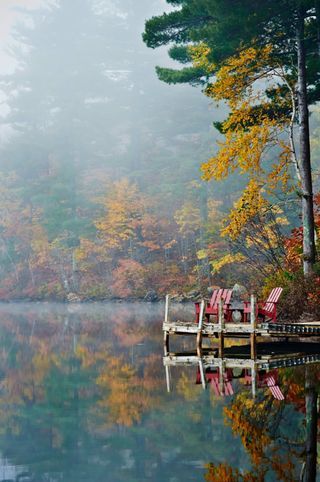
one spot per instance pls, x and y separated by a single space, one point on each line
84 398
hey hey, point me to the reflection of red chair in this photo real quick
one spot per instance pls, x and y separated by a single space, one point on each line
263 379
212 307
268 309
213 377
266 379
274 388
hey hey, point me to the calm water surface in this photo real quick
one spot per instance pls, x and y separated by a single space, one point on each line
84 398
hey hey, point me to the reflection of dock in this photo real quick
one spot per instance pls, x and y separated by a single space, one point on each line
264 363
258 372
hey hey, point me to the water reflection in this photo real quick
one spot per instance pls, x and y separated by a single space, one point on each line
276 373
83 397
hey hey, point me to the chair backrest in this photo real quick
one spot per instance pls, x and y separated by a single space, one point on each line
213 297
272 299
221 294
274 388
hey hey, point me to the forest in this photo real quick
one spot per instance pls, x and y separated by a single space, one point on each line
123 179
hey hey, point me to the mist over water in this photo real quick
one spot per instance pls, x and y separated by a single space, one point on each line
83 396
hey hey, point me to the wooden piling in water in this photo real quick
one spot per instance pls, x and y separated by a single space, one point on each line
168 378
200 326
253 327
253 381
221 376
166 311
221 328
202 374
166 319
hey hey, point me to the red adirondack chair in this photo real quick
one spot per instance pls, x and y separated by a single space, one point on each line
212 307
268 309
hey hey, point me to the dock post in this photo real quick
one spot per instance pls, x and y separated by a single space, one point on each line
253 327
200 325
253 380
202 375
166 318
221 328
166 312
168 378
166 342
221 377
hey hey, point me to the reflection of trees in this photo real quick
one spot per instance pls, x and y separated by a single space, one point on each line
275 446
60 380
311 399
71 400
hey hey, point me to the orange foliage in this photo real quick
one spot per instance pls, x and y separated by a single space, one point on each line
128 279
126 397
250 428
225 473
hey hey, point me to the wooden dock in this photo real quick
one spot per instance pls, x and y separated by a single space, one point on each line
265 363
221 330
179 327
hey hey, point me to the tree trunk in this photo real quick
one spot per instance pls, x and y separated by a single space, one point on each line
75 278
310 468
317 6
309 251
204 263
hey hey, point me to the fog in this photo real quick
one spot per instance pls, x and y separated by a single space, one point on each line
85 83
82 112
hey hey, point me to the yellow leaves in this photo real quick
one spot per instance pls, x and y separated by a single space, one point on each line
225 260
246 420
199 54
125 396
235 78
88 358
188 218
279 174
188 390
124 207
253 130
202 254
250 203
242 149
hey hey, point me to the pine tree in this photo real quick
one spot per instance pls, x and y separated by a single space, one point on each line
227 28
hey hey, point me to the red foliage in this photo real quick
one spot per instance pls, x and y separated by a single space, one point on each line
128 279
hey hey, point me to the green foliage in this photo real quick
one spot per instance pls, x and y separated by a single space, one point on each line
231 26
180 53
190 75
